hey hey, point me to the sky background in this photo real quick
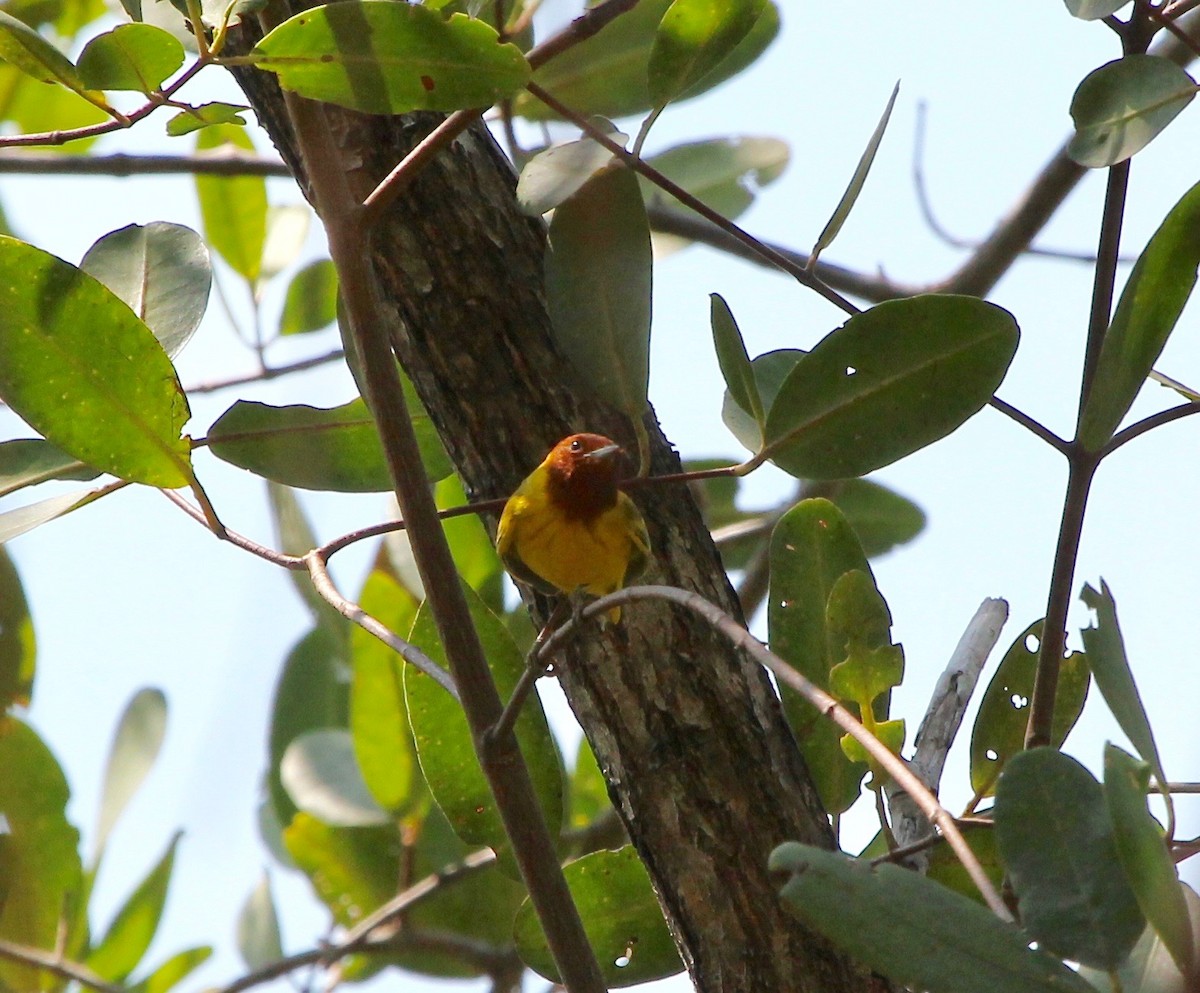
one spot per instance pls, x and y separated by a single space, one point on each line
129 593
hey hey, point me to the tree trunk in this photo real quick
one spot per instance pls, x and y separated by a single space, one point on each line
700 763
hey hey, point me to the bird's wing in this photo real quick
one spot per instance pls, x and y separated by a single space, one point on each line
506 544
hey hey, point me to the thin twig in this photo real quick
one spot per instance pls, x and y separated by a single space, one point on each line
1147 423
684 224
639 165
1030 424
56 965
268 373
323 584
104 127
218 162
826 704
278 558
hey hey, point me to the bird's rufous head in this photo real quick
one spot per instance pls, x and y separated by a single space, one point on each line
584 470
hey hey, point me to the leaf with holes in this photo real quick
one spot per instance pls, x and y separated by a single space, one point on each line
812 547
999 731
890 381
621 916
80 367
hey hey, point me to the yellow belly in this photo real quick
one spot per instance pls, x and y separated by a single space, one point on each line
575 555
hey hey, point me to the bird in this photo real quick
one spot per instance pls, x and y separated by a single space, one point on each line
568 528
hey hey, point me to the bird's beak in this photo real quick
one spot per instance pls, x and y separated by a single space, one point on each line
604 452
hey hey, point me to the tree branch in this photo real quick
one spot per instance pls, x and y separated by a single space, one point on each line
742 639
55 964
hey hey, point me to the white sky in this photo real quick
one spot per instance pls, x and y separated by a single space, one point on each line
128 593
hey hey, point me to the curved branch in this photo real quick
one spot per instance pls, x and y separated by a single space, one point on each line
895 766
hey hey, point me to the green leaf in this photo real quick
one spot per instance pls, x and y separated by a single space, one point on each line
40 872
946 868
1057 842
136 57
999 731
206 115
29 461
589 792
311 301
621 916
322 778
131 756
445 744
1155 294
311 693
723 173
79 366
118 953
287 233
233 208
479 907
770 371
173 971
882 518
18 646
316 448
258 927
693 38
890 381
24 48
735 361
599 272
557 173
1149 968
812 547
857 181
1114 679
161 271
1119 108
353 870
471 546
16 522
1141 845
607 74
1092 10
383 742
915 932
388 58
32 106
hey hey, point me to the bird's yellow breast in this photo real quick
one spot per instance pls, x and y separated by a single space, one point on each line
571 554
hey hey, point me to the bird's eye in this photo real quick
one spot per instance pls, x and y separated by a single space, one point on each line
577 445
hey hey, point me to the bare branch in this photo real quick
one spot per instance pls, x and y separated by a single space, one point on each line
944 716
56 965
224 161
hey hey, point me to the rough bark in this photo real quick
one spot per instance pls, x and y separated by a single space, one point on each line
700 763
